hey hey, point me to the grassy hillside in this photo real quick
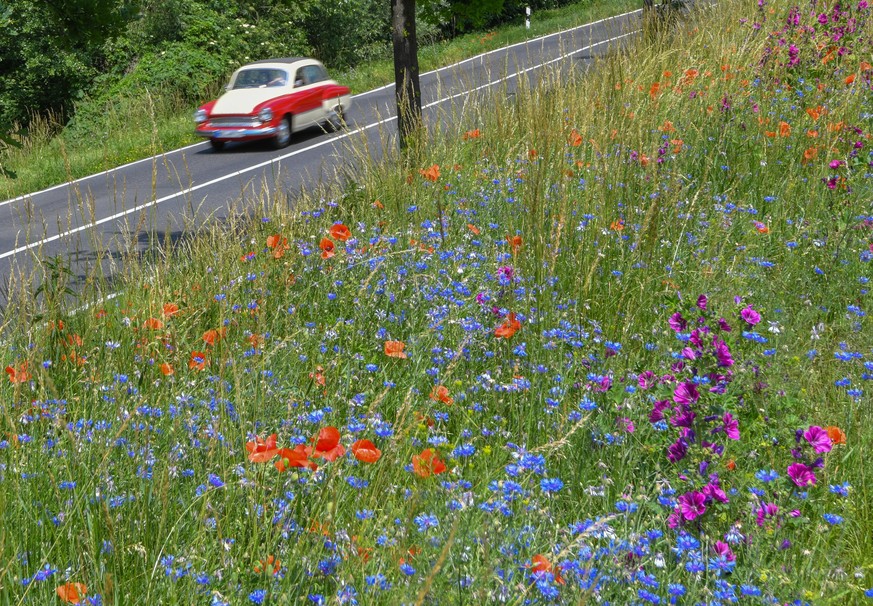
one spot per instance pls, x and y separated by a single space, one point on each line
603 343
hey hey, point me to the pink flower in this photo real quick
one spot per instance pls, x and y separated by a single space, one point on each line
801 475
677 322
701 302
686 393
818 438
677 451
691 505
715 492
646 379
768 510
723 353
750 316
731 426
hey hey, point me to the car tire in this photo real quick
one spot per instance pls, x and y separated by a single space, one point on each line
283 133
216 144
338 120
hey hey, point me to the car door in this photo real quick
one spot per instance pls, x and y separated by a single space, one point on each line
307 97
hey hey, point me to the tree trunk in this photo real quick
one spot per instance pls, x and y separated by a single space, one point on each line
406 86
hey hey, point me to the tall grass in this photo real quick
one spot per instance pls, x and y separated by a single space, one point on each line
596 211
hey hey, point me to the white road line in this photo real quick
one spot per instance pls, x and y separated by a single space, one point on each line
294 153
381 88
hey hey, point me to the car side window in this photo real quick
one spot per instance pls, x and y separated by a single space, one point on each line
312 74
298 78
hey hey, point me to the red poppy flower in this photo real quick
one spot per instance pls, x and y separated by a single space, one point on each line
365 451
394 349
431 174
837 435
472 134
278 245
515 242
539 563
327 444
72 593
262 451
167 369
276 240
170 310
575 138
18 374
270 562
440 393
473 229
153 324
340 232
213 336
327 248
617 225
295 457
509 327
427 463
197 360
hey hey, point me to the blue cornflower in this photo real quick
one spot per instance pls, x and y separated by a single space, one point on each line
832 519
257 596
464 450
551 484
426 521
347 595
840 489
215 481
767 476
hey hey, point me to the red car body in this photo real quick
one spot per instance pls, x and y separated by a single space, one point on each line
273 99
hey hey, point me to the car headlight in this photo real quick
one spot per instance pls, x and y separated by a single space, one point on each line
265 115
200 116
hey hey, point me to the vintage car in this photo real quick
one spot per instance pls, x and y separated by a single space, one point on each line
272 99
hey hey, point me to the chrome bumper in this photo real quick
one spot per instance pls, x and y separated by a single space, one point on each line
236 133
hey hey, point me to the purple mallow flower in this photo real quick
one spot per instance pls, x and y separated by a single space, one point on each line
801 475
691 504
750 316
723 353
818 438
731 426
686 393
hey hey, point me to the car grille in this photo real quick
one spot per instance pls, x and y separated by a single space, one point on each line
241 122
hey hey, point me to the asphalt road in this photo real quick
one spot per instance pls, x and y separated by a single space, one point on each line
89 222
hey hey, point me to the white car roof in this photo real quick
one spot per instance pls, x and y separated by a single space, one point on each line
289 64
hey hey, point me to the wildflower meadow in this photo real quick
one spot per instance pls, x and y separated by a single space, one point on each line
601 341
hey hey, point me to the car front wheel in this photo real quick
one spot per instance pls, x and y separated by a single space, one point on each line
283 133
216 144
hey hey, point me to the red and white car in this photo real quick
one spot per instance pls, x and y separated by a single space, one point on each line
272 99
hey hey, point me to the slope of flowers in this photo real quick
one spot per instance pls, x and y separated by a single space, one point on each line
619 357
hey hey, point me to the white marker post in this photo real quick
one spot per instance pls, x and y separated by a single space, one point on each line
527 17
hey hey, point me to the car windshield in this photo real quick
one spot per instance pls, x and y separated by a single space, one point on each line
260 78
